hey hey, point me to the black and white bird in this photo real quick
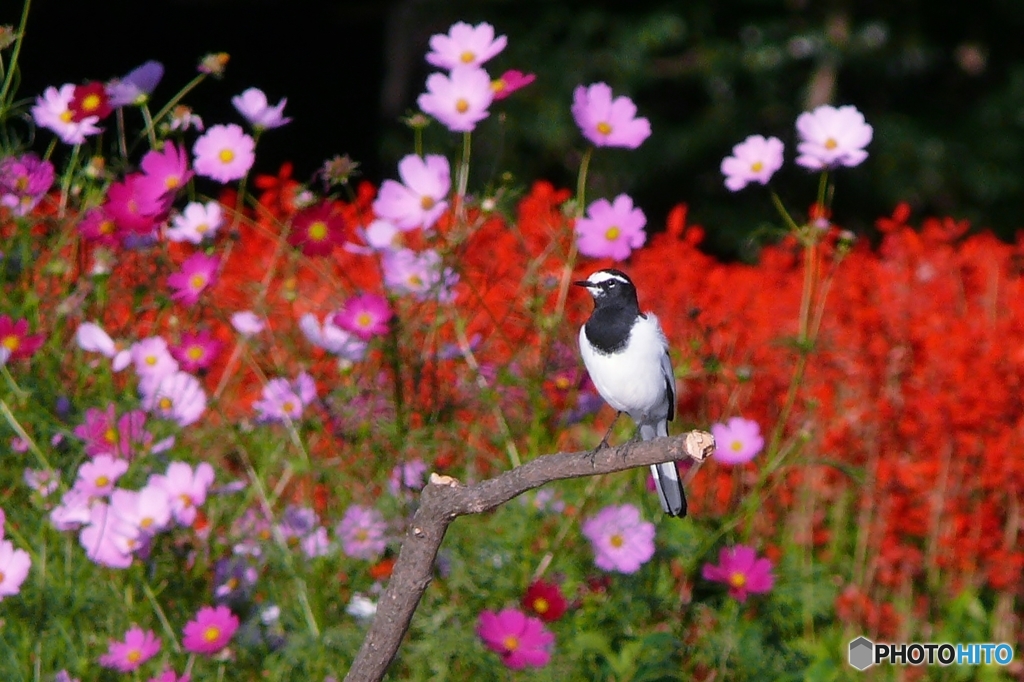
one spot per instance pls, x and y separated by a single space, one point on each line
626 355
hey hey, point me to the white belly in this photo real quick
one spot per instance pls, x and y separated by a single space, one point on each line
633 381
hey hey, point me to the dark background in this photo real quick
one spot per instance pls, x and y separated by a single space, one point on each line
942 82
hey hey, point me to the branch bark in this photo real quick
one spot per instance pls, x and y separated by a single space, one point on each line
444 499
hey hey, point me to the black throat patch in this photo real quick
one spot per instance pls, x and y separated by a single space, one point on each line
609 327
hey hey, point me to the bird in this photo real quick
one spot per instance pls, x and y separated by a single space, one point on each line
626 355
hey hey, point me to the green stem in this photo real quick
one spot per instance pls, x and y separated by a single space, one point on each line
173 102
9 77
161 616
144 108
463 177
570 263
65 185
18 429
581 182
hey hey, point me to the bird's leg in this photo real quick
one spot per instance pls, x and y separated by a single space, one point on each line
604 441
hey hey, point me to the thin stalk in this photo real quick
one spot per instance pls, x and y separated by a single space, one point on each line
150 132
65 185
570 263
463 177
173 102
161 616
9 76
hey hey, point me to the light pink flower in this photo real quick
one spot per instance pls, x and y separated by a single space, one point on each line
458 100
153 360
108 540
14 565
509 82
43 481
138 647
608 122
224 153
622 541
421 274
210 631
740 569
148 510
97 477
198 272
252 104
197 222
366 316
754 160
52 110
73 511
168 675
464 45
519 639
186 488
737 441
420 200
91 337
178 396
247 323
282 399
407 476
332 338
831 137
611 230
361 531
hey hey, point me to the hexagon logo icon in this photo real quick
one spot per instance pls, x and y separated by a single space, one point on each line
862 652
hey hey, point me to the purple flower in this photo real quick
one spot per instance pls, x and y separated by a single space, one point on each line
740 569
282 399
421 274
91 337
754 160
611 230
361 531
608 122
737 441
464 45
198 272
420 199
253 105
519 639
407 476
43 481
224 153
137 86
366 316
178 396
186 488
138 647
105 433
458 100
622 541
24 181
233 579
831 137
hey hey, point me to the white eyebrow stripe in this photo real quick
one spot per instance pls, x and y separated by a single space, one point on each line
604 276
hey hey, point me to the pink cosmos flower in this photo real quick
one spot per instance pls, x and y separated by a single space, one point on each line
138 647
136 87
73 511
92 338
611 230
98 227
186 488
178 396
52 110
464 45
332 338
366 316
166 172
421 274
14 565
105 434
196 222
168 675
148 510
407 476
197 351
153 361
108 540
96 478
420 201
754 160
210 631
622 541
510 81
15 341
737 441
247 323
361 531
252 104
198 272
132 208
24 181
519 639
608 122
283 399
831 137
224 153
43 481
458 100
740 569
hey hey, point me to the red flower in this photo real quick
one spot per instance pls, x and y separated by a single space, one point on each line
316 230
15 342
89 100
545 600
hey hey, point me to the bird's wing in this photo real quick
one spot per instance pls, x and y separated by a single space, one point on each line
670 383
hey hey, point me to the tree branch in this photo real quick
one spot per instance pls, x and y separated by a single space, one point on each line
444 498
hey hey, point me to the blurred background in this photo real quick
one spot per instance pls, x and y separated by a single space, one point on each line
941 81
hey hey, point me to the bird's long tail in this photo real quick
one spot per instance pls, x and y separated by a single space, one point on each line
666 476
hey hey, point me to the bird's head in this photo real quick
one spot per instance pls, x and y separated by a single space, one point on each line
609 285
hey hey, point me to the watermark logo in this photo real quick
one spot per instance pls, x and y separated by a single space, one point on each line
864 653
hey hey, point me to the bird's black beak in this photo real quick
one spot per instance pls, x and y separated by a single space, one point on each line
582 283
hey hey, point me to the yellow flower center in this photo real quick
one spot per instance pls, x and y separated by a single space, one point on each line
226 156
541 605
146 522
415 281
1 576
106 227
831 143
562 382
211 633
11 342
604 128
102 481
166 403
364 319
288 407
151 360
362 535
467 56
317 230
612 233
202 228
186 501
197 281
194 353
172 181
110 435
757 166
66 116
461 105
736 445
511 643
737 579
91 102
497 85
616 541
427 203
133 656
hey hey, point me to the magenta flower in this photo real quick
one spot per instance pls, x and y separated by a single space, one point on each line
24 181
420 201
754 160
622 541
138 647
421 274
96 478
98 227
132 206
166 172
737 441
108 540
831 137
366 316
210 631
52 110
510 81
464 45
519 639
252 104
407 476
196 222
224 153
168 675
197 351
198 272
178 396
186 488
15 341
458 100
611 230
136 87
14 565
607 122
361 531
105 434
740 569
